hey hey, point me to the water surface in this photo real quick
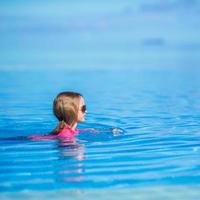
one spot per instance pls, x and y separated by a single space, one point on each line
157 147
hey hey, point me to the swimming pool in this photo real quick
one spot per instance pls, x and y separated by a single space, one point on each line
154 155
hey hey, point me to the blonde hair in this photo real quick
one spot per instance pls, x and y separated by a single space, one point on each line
65 108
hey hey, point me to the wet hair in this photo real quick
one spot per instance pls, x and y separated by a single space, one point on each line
65 108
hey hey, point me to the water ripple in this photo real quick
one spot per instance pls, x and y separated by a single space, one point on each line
129 158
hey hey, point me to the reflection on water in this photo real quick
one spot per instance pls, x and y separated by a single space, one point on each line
31 164
52 163
71 151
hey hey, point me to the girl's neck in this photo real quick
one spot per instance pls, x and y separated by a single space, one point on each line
73 127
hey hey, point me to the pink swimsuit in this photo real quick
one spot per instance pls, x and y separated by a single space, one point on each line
66 133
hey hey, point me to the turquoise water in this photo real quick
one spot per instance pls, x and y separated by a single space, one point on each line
137 65
157 145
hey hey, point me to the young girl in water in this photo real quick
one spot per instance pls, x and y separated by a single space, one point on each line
70 109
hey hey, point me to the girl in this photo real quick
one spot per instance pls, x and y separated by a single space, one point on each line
70 109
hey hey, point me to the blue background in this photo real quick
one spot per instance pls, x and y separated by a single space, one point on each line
99 34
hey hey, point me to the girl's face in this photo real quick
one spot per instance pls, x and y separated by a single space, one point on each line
81 111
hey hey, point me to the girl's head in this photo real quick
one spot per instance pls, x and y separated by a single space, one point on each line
69 107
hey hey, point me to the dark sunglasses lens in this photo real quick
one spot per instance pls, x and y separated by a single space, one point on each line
84 108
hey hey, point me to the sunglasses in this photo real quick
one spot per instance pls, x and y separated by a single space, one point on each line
83 108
